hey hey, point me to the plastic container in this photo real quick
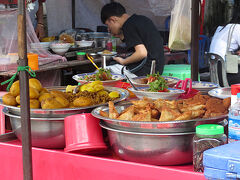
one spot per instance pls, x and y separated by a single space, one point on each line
222 162
83 134
33 61
207 136
181 71
235 88
234 121
81 56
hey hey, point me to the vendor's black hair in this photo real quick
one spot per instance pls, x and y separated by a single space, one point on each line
112 9
235 16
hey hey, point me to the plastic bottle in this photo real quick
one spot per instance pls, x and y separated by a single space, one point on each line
109 45
207 136
114 44
234 121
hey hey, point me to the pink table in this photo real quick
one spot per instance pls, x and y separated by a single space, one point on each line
58 165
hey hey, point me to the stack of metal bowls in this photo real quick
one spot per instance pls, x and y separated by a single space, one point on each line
157 143
47 125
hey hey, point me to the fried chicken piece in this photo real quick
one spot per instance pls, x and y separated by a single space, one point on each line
196 100
209 114
227 102
215 105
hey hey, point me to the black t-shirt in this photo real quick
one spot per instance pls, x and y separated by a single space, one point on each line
141 30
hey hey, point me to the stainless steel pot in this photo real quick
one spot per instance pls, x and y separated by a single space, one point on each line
46 132
156 127
151 148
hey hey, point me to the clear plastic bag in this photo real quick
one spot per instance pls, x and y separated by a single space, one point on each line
9 42
180 26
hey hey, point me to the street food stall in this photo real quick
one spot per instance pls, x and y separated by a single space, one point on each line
104 127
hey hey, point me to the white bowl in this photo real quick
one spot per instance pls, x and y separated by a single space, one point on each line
84 43
171 95
60 51
60 48
60 45
41 45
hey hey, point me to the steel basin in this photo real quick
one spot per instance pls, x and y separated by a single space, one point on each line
151 148
46 132
156 127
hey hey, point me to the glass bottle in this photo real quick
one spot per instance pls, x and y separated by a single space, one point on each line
207 136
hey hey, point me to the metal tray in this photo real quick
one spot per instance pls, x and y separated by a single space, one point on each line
221 93
47 113
156 127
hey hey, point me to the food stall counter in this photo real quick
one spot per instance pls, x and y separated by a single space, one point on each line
49 164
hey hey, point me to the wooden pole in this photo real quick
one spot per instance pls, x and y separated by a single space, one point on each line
24 94
194 39
73 14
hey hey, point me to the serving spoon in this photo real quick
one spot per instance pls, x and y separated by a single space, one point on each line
134 87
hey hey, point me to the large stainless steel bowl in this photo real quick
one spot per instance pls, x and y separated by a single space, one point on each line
156 127
46 132
151 148
61 113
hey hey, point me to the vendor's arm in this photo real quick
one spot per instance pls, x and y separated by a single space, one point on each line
40 24
139 54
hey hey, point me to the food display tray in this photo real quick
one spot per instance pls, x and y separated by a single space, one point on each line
56 164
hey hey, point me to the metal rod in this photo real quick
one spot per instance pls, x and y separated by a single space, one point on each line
194 39
73 14
24 94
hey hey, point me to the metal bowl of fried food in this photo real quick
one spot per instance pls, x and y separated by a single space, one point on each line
151 148
45 132
61 113
178 126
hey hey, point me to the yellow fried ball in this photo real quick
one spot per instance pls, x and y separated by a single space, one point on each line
15 88
35 84
9 99
45 96
33 93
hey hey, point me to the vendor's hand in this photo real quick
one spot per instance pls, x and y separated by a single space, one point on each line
40 32
119 60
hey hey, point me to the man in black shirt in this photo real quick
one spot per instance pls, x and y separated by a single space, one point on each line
140 35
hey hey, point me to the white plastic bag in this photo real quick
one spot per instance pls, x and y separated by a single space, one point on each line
180 26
